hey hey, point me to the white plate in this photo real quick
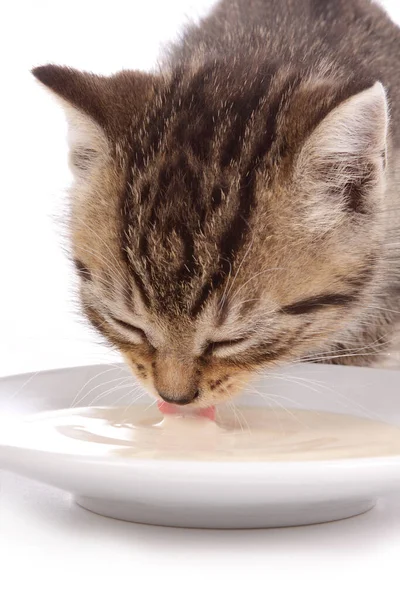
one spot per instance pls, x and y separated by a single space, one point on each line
201 493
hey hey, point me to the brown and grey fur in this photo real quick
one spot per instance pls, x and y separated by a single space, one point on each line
239 208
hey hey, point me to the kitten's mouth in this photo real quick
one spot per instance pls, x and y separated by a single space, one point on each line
172 409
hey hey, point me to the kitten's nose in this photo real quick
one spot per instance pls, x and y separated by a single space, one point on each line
182 400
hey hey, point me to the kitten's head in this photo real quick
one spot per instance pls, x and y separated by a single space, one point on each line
222 222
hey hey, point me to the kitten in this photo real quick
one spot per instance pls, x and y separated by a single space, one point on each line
239 209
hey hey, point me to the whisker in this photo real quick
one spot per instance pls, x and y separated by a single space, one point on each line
118 388
133 401
75 400
279 404
242 417
237 418
351 402
329 352
104 383
150 406
335 356
384 309
26 382
256 392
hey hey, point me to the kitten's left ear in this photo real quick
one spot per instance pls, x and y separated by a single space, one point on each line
99 109
343 160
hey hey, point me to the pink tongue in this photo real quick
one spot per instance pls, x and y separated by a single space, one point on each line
170 409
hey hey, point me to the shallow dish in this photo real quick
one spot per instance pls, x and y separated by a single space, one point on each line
201 493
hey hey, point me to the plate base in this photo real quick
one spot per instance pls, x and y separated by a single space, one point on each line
228 517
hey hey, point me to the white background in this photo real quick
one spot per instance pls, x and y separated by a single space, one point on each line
38 329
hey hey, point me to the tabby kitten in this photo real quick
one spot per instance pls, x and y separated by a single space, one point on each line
239 208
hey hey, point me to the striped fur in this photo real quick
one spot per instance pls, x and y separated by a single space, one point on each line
239 207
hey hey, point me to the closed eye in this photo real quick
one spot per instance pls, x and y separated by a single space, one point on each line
211 347
316 303
129 327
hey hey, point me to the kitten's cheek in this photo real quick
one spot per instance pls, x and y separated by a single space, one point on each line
148 385
232 388
145 379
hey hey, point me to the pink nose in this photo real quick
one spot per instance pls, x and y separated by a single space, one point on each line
180 400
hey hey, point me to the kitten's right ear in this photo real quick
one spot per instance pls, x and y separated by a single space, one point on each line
99 109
